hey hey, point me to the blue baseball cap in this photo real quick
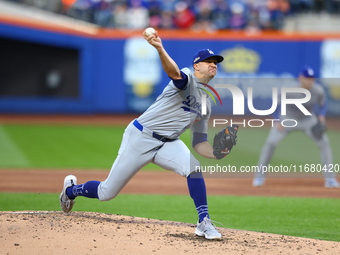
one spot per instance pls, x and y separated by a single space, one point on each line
204 54
307 72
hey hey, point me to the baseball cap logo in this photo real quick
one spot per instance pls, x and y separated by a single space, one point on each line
310 71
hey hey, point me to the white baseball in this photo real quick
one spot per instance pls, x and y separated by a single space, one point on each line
149 31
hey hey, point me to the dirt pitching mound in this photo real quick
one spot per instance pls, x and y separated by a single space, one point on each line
97 233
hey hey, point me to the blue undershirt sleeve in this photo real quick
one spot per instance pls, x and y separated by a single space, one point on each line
199 138
182 83
321 109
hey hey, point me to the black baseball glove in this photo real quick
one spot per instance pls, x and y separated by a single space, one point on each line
318 129
224 141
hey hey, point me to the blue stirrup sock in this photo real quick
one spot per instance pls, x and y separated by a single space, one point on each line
88 189
198 193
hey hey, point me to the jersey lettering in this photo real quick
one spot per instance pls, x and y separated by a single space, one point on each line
192 105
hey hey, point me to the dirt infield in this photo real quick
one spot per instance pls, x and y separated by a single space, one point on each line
97 233
164 182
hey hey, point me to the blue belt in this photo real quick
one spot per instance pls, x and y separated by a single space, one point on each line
155 135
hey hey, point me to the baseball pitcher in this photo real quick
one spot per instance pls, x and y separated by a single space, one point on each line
154 137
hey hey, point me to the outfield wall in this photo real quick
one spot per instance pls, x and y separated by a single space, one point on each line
53 69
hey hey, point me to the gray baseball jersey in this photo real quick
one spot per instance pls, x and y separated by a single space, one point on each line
176 110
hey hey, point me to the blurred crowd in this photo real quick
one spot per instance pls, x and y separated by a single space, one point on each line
198 15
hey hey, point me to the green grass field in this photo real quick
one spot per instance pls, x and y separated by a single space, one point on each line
95 147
